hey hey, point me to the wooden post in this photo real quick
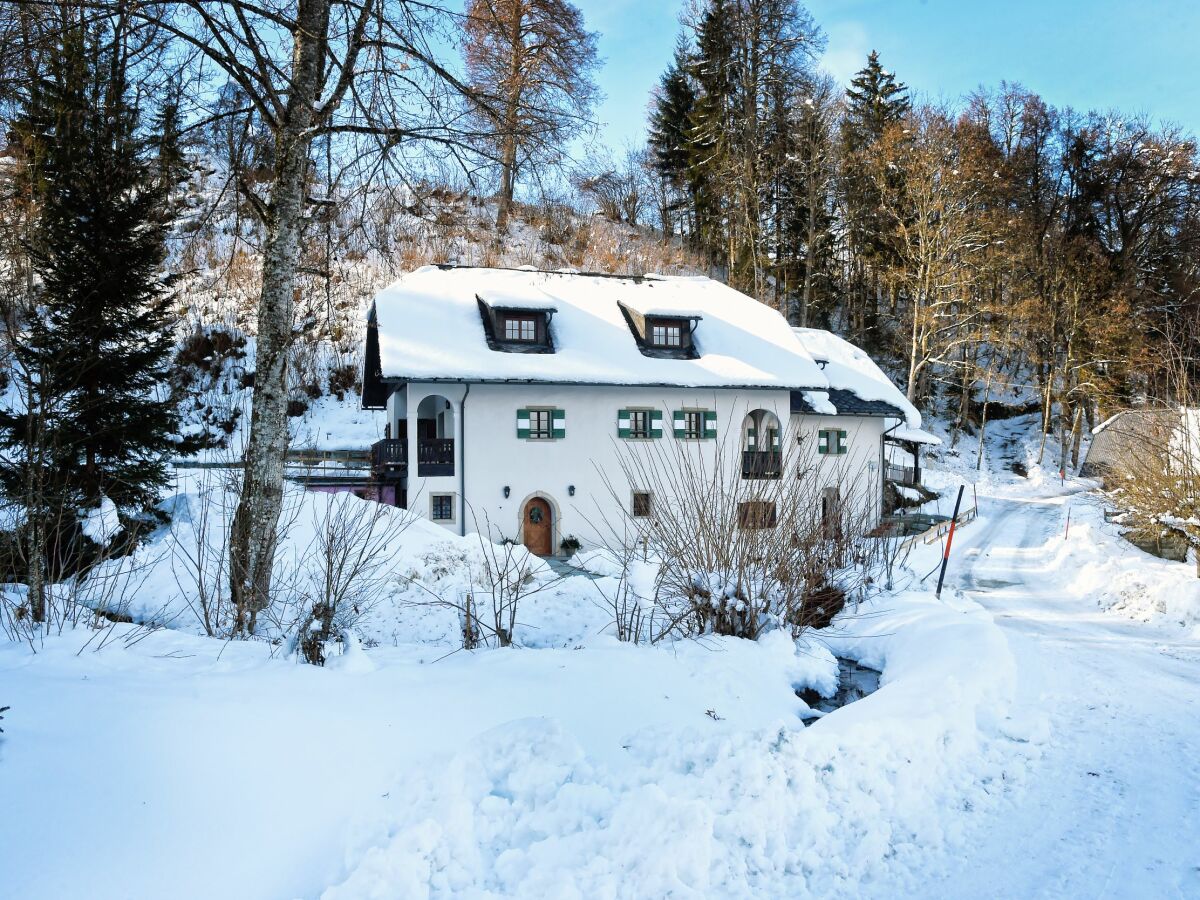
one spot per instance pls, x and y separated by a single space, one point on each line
949 540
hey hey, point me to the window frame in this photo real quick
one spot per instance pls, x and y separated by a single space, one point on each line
698 415
837 442
433 501
520 320
749 521
649 507
668 327
648 431
536 434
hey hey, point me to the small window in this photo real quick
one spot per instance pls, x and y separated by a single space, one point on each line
756 514
643 504
693 424
441 507
541 425
639 423
831 442
666 334
522 329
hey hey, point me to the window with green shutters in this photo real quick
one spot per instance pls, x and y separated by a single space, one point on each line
695 424
831 442
639 424
541 424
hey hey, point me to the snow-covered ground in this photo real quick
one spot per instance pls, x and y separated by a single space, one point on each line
1037 733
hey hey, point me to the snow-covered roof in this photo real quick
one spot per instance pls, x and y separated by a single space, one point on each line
914 435
848 368
430 329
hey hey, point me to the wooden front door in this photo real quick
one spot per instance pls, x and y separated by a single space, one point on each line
537 529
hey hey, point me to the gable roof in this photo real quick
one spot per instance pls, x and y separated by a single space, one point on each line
430 329
857 386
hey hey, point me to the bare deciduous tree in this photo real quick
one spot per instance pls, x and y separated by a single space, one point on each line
530 64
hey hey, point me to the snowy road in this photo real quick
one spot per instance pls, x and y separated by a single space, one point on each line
1111 808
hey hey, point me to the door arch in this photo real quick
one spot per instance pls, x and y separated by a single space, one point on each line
537 526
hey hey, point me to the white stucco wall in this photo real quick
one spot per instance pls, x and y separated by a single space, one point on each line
589 457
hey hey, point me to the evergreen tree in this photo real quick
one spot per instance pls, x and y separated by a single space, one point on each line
670 123
875 102
93 353
711 127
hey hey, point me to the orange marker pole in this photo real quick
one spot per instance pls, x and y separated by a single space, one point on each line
949 541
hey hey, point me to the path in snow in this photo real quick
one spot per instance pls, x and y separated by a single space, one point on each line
1112 807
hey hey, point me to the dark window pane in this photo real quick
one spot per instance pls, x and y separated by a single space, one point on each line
443 507
641 504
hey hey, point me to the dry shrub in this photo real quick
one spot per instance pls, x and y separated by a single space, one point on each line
737 556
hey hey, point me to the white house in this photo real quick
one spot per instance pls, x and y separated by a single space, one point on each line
514 396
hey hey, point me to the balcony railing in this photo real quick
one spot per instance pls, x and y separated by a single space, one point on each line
389 458
435 456
762 464
901 474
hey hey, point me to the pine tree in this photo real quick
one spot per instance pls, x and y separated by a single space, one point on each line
875 102
93 354
711 126
670 123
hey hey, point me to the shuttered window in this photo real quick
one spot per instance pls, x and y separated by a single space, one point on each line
639 424
695 424
831 442
545 424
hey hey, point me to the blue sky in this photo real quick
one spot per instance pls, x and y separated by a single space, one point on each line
1087 54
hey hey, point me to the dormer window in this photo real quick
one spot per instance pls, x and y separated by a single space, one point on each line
666 334
516 329
662 334
520 328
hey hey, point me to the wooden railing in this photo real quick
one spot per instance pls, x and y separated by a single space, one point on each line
435 456
901 474
389 458
761 464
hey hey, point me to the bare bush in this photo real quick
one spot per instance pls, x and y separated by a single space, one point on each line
501 577
340 574
736 555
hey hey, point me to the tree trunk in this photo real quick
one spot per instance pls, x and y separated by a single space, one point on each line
253 532
512 111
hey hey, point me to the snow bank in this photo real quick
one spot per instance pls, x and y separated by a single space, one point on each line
527 811
1093 561
100 525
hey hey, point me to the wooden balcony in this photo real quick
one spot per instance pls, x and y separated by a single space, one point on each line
389 459
762 464
435 457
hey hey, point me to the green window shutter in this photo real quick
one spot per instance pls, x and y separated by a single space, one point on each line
841 442
751 439
823 441
710 423
623 423
679 420
559 422
774 439
656 429
523 424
